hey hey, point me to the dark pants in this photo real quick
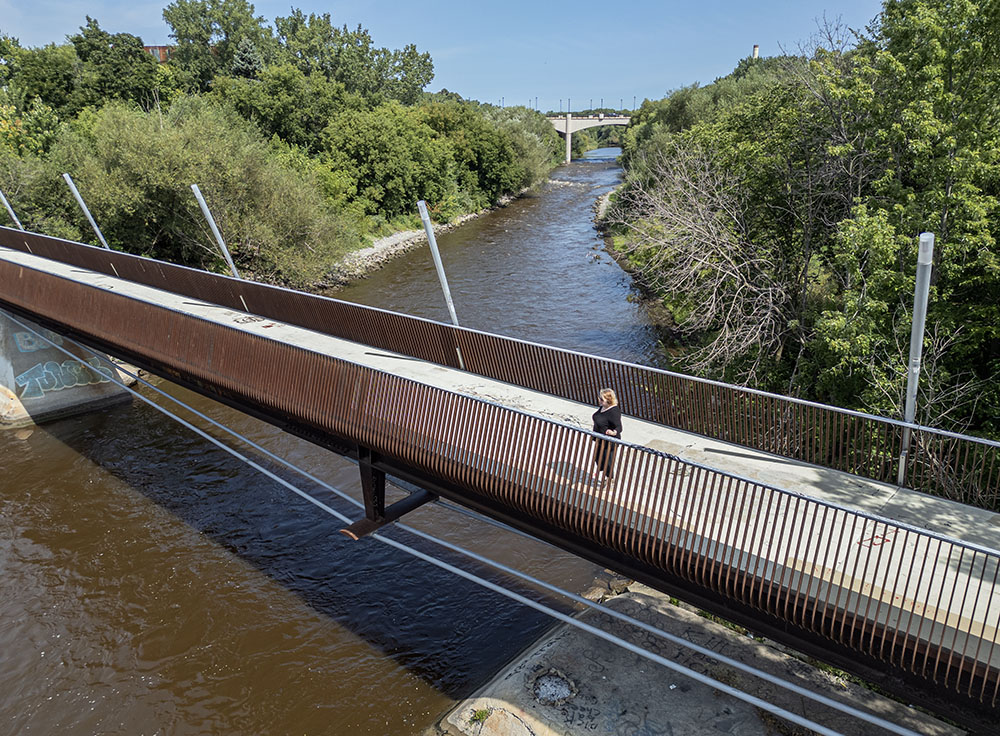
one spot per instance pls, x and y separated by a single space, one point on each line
604 457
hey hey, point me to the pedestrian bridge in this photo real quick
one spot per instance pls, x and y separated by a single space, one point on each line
779 514
569 125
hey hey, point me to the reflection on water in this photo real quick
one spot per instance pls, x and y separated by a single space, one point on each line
150 583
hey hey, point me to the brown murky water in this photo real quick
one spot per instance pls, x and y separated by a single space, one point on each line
150 583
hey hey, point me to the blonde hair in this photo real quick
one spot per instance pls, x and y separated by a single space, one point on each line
608 396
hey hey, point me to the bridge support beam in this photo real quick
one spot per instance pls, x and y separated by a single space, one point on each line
373 489
372 484
40 383
569 137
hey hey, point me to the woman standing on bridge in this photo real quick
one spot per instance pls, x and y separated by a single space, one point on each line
607 421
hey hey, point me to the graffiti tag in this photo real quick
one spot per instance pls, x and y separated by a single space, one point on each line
43 378
29 343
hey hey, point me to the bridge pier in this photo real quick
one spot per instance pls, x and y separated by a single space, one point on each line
569 137
39 382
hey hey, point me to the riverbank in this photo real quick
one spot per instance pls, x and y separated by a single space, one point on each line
601 205
361 263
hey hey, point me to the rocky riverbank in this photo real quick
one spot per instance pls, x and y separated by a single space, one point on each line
601 208
362 262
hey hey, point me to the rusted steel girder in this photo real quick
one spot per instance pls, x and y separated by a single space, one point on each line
373 490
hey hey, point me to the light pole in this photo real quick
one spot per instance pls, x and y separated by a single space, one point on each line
633 103
925 256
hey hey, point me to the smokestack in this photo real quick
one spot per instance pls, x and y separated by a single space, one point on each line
756 51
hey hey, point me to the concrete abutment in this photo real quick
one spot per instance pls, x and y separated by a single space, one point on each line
39 382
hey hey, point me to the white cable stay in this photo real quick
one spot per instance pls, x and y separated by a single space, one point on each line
600 633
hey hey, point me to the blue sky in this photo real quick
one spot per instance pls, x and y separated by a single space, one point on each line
517 50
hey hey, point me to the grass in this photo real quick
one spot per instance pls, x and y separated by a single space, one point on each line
480 716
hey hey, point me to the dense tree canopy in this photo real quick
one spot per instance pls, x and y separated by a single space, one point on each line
306 137
208 34
808 178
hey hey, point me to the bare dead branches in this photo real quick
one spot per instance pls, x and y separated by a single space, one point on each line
685 224
944 399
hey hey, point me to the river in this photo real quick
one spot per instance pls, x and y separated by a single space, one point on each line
150 583
536 270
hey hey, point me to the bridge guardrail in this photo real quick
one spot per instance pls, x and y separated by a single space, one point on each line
883 594
959 467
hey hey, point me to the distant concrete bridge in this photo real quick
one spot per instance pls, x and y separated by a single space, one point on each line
568 125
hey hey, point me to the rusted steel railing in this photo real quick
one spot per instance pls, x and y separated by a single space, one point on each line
920 604
959 467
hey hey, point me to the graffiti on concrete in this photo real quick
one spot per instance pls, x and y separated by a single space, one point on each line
43 378
28 343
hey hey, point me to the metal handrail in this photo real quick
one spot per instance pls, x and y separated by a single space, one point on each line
554 348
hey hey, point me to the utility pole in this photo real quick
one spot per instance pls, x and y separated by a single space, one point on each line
925 256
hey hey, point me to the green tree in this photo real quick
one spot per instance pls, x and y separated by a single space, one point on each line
834 162
351 58
936 79
10 49
285 102
311 43
51 73
113 67
537 146
208 34
32 132
136 168
391 157
247 62
405 73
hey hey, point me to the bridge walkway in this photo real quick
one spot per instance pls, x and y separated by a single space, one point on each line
827 527
920 600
